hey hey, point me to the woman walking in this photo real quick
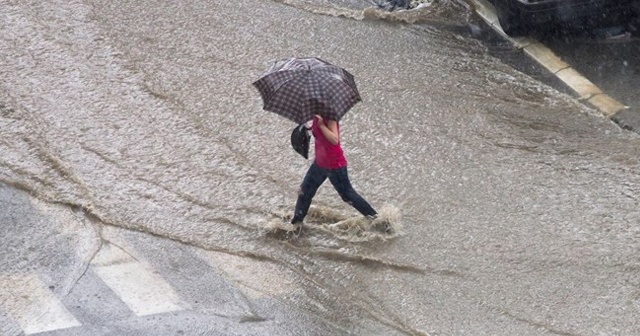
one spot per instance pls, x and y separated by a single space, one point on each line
330 163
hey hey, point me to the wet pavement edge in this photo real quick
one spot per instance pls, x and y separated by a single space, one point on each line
625 116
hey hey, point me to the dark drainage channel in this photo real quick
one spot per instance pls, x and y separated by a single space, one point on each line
608 57
502 49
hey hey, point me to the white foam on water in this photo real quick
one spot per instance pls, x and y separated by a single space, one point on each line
361 229
353 229
419 11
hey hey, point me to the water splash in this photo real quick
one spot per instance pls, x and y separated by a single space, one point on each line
352 229
444 11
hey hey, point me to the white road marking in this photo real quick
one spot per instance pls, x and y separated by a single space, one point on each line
144 292
32 305
256 279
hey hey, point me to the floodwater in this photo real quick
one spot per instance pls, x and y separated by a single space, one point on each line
519 205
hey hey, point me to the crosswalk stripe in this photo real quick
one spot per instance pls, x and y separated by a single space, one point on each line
142 291
32 305
251 275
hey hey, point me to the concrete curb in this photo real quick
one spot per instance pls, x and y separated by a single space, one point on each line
583 88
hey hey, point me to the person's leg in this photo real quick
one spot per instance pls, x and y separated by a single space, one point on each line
312 180
340 180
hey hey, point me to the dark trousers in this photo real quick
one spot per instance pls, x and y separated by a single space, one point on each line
339 179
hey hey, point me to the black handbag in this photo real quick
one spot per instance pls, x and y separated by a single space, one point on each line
300 140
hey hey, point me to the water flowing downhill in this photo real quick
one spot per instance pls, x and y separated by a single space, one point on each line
141 115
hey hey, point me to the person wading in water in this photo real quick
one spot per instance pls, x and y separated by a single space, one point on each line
331 163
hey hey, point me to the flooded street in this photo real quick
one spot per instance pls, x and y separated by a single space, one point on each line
519 204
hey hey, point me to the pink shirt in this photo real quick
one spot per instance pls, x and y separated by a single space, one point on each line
328 155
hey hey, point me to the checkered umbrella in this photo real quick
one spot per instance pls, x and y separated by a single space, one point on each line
299 88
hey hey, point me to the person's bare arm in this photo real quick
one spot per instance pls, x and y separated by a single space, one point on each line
330 130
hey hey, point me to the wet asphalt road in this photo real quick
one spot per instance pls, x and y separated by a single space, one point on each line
520 207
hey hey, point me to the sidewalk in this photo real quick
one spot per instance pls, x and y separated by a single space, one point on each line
627 117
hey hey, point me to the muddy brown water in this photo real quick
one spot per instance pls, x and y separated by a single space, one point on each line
518 204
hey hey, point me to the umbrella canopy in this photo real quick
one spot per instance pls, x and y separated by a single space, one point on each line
299 88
